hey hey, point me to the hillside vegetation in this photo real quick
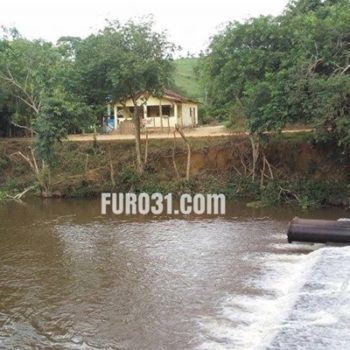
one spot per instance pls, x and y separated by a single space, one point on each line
185 79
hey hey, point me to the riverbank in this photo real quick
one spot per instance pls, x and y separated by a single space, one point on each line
289 168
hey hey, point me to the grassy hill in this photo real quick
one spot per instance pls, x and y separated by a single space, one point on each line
185 78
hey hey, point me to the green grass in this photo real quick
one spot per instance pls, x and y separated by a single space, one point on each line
185 78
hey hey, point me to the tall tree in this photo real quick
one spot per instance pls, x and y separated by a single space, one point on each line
285 69
26 68
121 61
40 79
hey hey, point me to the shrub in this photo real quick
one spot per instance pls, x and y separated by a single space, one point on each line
129 177
84 190
179 187
153 186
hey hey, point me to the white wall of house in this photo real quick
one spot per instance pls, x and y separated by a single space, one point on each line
188 116
158 122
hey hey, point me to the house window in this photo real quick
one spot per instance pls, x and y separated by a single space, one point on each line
130 111
166 110
153 111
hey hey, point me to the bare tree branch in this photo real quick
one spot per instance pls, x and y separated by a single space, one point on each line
173 157
21 126
188 167
28 99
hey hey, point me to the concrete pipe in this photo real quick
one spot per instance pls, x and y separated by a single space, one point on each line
319 231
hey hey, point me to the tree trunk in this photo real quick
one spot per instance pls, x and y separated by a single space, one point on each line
255 155
173 156
146 150
111 168
188 167
42 175
137 124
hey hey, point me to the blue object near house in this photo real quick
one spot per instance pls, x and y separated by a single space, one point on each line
108 125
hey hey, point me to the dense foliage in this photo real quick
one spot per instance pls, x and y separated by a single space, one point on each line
50 90
294 68
32 72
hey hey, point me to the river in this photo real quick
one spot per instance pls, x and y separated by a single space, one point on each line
73 279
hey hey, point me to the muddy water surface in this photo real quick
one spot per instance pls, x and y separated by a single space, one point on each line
72 279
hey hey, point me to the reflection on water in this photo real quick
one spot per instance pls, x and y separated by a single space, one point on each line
72 279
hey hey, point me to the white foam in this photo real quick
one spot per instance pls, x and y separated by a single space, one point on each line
321 316
252 322
307 247
305 304
324 318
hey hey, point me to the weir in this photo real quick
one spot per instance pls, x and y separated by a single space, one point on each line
320 316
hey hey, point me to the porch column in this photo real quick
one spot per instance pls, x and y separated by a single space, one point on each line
145 110
182 116
161 114
175 112
115 117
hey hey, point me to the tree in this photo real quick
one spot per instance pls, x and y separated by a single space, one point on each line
239 57
303 6
96 57
127 60
41 80
26 68
145 65
285 69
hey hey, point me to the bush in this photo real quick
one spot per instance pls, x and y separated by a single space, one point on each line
203 115
214 185
84 190
179 187
17 184
3 196
3 163
153 186
244 188
305 194
236 118
129 177
321 193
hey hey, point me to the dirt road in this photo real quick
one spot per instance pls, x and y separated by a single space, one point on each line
203 131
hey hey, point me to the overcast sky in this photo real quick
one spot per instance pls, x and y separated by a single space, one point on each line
189 23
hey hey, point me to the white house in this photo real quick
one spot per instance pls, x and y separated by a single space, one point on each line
163 112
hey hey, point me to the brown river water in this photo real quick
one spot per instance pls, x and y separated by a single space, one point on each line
73 279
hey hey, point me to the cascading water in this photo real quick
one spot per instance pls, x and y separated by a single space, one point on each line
301 302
